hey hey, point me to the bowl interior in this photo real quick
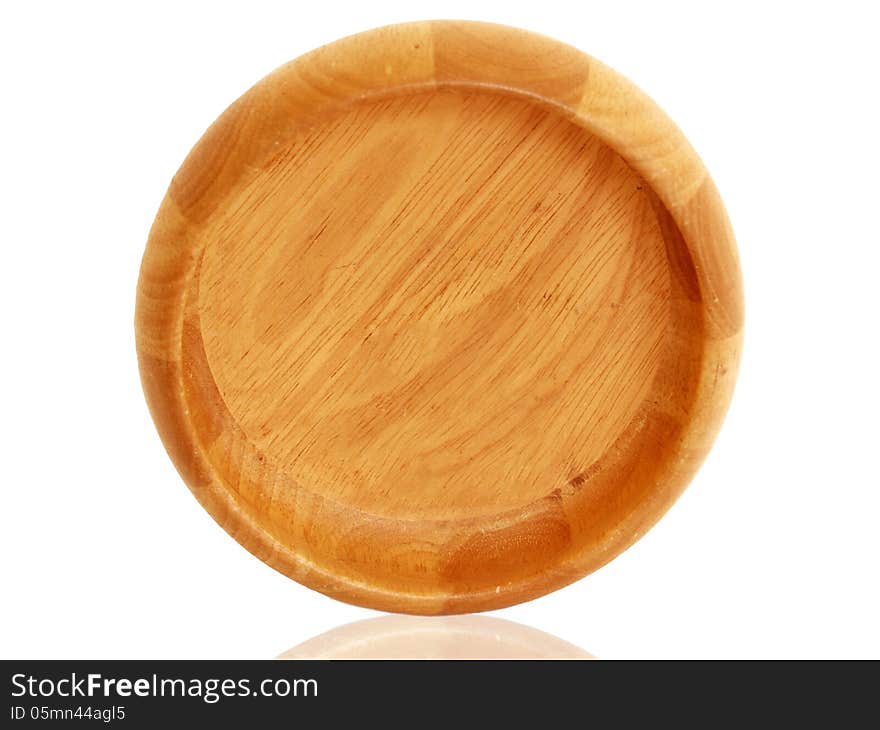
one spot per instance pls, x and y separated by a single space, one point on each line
443 323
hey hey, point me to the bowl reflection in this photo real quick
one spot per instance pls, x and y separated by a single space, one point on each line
440 637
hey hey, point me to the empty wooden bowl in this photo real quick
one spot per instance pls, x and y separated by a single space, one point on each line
439 317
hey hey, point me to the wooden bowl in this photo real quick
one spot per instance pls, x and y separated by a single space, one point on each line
440 317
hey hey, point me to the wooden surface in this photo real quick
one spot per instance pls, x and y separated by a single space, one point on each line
439 317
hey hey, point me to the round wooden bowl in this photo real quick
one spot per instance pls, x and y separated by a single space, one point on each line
439 317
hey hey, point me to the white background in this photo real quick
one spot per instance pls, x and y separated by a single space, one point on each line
772 552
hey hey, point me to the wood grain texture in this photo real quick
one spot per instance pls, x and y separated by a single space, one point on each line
439 317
